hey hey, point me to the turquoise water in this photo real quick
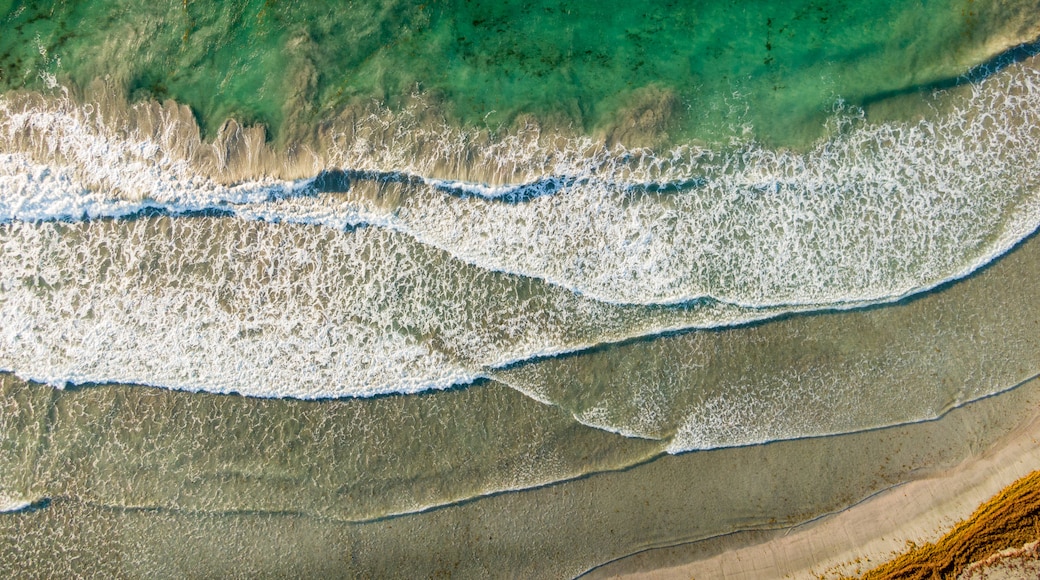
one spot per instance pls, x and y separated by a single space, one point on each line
354 262
706 69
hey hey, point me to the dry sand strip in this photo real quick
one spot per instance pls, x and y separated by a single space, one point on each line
876 530
977 547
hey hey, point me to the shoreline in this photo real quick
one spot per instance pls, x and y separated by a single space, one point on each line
560 530
856 539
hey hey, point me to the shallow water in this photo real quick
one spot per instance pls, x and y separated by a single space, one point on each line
776 68
556 531
475 249
404 284
358 459
345 460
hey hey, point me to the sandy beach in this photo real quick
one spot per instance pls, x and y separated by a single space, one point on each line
856 539
563 530
516 289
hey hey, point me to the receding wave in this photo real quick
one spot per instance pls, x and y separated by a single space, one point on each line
807 375
122 445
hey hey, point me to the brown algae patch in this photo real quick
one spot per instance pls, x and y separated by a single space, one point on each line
1009 519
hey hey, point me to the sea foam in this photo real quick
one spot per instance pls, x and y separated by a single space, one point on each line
12 503
416 277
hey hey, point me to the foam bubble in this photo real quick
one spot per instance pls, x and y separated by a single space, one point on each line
228 305
12 503
874 213
443 287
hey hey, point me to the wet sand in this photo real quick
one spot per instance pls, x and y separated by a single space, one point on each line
565 530
856 539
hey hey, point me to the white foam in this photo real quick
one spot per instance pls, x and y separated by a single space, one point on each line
12 503
850 221
873 214
278 309
133 305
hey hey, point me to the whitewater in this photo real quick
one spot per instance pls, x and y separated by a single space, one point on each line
409 257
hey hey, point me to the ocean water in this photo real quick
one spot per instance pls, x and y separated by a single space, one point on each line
354 262
574 63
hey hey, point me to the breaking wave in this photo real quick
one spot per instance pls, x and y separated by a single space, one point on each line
405 257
